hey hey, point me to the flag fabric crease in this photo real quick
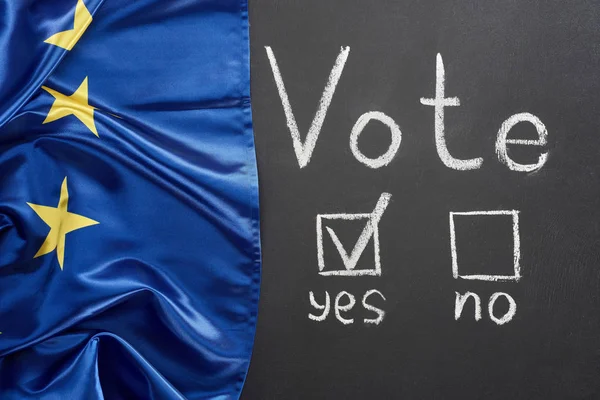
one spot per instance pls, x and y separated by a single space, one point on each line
129 231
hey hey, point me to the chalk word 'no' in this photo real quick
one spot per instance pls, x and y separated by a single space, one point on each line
461 300
305 149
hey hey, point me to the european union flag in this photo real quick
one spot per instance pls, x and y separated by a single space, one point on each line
129 234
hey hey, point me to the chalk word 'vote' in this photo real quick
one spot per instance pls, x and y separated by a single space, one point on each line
305 149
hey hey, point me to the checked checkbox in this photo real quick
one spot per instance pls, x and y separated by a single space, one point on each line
370 230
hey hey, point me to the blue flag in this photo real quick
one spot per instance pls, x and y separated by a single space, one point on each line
129 234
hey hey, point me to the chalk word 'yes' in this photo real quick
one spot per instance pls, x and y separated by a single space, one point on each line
340 308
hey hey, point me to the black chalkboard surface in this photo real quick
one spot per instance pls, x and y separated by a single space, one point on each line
444 198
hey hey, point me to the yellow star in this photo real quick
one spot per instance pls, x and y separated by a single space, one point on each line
60 222
68 39
75 104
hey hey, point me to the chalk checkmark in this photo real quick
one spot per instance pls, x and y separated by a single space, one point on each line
351 260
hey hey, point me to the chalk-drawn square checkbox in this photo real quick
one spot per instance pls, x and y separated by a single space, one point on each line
503 244
370 231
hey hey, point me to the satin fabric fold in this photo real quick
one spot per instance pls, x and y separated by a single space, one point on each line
158 299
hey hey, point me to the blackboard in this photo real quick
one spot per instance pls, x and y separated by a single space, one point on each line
518 228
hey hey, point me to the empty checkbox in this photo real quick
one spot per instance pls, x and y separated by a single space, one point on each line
485 245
